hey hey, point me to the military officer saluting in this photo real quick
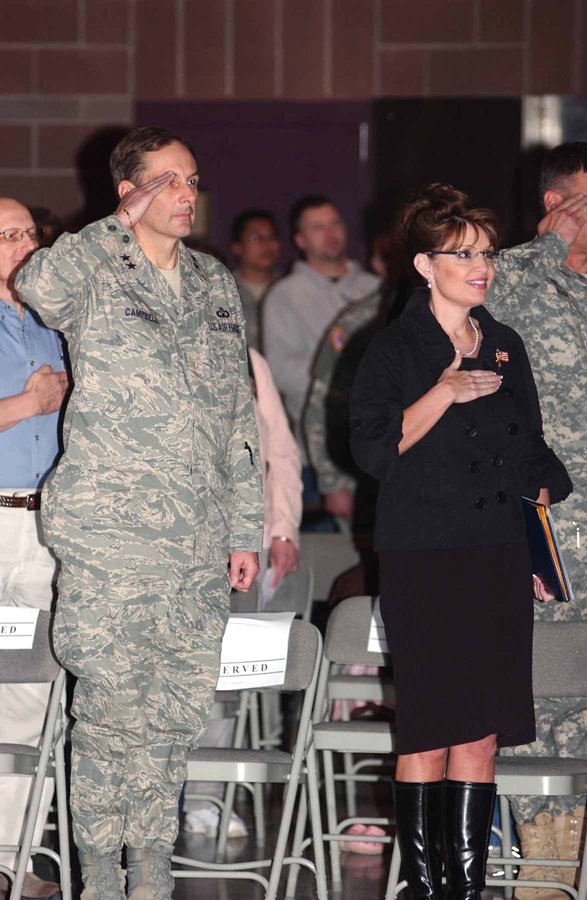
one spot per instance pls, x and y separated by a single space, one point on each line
157 490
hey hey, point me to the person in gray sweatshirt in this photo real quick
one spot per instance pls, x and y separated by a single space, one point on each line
299 307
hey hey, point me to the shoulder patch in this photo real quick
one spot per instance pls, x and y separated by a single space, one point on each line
338 338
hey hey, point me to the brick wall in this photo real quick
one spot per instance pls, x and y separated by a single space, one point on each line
68 67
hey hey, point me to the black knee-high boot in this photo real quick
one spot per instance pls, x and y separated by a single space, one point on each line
418 816
467 815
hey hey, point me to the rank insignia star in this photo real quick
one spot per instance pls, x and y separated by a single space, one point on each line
130 265
125 257
222 313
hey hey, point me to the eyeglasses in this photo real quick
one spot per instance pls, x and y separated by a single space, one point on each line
465 257
14 235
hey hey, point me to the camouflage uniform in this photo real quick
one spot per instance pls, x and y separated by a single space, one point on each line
158 483
546 302
326 415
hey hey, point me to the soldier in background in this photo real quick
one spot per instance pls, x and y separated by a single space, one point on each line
326 415
540 289
346 491
157 490
256 245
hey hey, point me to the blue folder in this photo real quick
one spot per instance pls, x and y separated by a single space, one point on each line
547 559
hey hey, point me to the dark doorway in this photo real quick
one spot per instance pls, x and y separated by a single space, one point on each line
269 154
472 144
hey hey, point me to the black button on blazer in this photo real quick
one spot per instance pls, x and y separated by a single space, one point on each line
453 487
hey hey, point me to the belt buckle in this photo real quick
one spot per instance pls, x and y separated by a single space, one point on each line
31 502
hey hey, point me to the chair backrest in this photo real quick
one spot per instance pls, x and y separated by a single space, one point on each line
347 634
295 593
560 659
31 666
303 652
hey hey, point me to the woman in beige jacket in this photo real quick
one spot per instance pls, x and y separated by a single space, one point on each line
282 483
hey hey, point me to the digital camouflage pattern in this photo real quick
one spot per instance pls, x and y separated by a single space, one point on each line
561 726
144 646
159 481
326 415
546 303
161 411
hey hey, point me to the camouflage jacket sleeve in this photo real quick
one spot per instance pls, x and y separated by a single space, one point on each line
543 469
524 267
330 477
55 281
246 511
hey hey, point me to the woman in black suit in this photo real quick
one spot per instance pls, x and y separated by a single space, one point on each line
444 413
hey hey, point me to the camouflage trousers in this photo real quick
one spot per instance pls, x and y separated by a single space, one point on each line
561 730
143 637
561 725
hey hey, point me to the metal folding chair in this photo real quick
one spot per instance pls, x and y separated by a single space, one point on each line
259 720
560 670
271 766
294 593
346 642
38 665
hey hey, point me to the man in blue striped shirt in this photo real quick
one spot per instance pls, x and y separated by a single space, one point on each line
32 388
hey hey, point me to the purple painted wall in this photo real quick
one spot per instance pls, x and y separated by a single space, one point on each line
268 154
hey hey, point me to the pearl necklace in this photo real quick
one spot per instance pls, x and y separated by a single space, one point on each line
475 345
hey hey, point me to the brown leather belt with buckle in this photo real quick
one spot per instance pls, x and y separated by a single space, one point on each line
30 501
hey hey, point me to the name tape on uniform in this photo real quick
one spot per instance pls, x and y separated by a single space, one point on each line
377 642
254 651
17 627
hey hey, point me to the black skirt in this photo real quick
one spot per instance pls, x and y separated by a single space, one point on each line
459 626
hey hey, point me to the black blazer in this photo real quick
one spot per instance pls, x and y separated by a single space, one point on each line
461 484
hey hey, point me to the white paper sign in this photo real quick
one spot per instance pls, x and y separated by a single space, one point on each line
254 651
377 642
17 627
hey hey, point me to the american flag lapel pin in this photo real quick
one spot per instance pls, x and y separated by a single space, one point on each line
501 356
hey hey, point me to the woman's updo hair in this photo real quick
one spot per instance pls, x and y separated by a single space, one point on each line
436 218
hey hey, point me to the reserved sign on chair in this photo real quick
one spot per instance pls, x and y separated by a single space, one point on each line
17 627
254 651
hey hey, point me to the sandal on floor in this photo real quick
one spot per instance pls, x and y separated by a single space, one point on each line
367 848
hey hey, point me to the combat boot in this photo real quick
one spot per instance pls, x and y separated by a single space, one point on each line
148 872
103 877
538 842
569 836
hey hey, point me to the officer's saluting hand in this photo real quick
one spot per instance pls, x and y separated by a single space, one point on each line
135 201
